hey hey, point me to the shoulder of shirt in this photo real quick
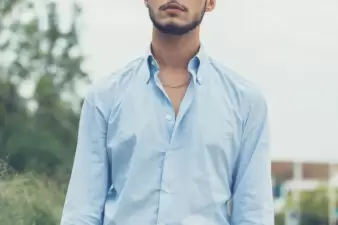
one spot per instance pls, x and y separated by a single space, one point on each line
246 92
105 89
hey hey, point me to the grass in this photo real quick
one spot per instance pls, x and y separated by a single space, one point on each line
30 200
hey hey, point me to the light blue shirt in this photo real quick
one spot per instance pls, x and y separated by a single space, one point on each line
136 164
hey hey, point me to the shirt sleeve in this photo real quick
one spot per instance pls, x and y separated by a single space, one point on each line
88 184
252 190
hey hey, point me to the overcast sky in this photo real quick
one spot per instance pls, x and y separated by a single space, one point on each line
289 48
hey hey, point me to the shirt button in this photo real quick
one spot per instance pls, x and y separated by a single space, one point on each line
168 117
166 190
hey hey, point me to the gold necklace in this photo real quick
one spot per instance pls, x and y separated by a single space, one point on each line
177 86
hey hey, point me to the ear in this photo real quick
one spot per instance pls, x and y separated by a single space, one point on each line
210 5
146 3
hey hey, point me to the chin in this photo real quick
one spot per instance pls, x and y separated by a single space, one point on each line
172 26
171 30
172 22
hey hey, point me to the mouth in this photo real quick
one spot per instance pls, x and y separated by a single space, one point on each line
173 7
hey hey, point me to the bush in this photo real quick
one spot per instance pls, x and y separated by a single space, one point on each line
5 169
28 199
280 219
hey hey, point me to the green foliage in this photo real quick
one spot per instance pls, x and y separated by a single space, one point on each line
38 127
38 130
28 199
280 219
314 206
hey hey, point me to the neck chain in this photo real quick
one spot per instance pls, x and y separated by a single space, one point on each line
177 86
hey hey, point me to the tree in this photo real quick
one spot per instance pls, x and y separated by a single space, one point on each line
38 131
38 128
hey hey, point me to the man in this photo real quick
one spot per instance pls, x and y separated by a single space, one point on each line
172 138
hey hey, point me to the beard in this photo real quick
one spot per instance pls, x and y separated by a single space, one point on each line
174 29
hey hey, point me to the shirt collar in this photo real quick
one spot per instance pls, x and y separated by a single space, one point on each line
194 65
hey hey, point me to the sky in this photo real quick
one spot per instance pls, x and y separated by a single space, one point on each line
288 48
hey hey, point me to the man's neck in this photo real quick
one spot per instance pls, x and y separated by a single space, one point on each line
175 51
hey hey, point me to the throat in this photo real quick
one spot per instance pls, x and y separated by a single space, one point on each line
176 96
175 84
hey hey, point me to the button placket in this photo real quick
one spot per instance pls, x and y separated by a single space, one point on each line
169 119
165 201
165 184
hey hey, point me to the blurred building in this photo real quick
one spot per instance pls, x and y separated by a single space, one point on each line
310 171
